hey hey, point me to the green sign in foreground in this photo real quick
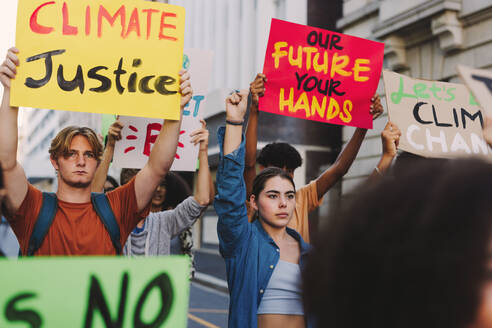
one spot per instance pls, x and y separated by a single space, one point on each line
94 292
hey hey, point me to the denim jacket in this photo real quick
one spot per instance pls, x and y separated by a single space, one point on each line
249 252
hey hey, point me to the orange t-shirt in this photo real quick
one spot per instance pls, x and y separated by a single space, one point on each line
76 228
306 201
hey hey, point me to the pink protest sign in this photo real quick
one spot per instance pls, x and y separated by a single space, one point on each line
319 75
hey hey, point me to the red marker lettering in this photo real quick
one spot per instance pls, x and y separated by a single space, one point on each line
169 26
133 24
149 19
67 28
33 21
111 19
87 20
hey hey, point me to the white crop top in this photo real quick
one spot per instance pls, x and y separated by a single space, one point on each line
283 294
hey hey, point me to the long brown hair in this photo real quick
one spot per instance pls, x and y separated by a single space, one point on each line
262 178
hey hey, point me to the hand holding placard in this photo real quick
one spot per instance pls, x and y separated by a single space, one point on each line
390 138
8 69
376 109
200 136
185 88
257 89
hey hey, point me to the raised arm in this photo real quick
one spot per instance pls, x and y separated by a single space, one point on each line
162 154
235 110
231 191
257 90
114 134
204 178
390 137
15 179
343 162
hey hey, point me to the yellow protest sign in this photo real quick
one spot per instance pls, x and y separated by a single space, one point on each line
101 56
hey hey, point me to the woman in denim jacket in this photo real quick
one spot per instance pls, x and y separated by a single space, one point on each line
263 258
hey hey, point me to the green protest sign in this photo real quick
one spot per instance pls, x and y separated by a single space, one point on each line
94 292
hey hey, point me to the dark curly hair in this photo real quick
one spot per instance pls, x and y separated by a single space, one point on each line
280 154
177 190
113 182
409 252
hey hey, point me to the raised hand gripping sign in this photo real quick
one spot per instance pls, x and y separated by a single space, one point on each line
437 119
139 134
95 292
102 56
320 75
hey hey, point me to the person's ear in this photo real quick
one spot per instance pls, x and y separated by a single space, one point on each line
252 202
54 162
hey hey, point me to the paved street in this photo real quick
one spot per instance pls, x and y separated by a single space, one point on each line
208 307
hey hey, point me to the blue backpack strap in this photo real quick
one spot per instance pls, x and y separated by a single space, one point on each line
43 222
105 213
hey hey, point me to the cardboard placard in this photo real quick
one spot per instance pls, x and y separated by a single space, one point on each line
436 119
479 81
320 75
139 134
102 56
89 291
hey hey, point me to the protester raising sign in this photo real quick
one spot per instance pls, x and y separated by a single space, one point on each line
102 56
479 81
437 119
139 134
95 292
320 75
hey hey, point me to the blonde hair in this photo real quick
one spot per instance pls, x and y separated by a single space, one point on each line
60 145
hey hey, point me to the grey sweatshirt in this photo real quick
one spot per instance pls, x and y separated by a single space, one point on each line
161 227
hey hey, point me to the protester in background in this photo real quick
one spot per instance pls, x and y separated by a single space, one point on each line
173 209
163 201
283 155
110 184
390 138
263 258
127 174
75 154
171 212
410 251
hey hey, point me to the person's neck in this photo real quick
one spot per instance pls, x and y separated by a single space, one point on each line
154 208
277 234
71 194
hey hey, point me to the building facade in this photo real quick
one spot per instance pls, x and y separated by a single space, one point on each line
423 39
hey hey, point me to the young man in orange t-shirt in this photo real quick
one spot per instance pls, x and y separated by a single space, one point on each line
75 154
